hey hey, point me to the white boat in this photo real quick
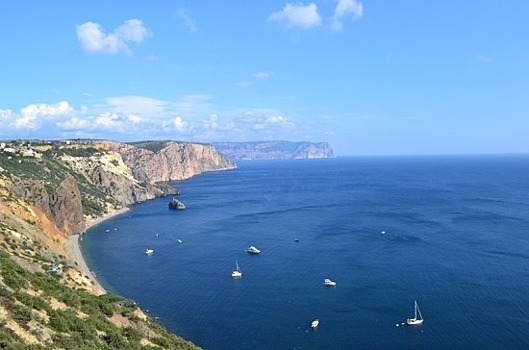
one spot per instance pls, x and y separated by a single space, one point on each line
237 272
417 319
315 323
328 282
253 250
149 251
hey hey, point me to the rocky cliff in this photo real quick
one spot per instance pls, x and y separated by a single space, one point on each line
69 182
159 161
274 150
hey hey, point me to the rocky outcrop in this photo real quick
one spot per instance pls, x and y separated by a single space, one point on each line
176 204
275 150
34 191
125 190
67 208
63 206
175 161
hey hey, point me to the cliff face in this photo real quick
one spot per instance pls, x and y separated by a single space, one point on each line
66 207
175 161
275 150
71 182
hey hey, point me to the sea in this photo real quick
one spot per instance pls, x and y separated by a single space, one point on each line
450 232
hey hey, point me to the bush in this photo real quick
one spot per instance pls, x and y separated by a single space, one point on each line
22 314
58 322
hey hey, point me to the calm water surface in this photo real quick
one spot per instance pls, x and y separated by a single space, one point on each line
456 240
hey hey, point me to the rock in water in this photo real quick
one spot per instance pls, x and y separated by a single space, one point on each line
176 204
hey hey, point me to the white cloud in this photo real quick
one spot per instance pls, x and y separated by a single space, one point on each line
343 8
179 124
298 15
74 123
274 121
27 123
6 113
132 31
109 121
135 119
264 120
32 115
104 122
185 16
93 38
58 109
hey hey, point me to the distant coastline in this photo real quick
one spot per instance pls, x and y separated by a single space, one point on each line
73 248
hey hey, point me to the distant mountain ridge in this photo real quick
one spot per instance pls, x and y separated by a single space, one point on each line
254 150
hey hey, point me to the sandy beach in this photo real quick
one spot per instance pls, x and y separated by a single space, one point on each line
73 249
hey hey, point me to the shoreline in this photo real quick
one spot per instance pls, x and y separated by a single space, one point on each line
73 248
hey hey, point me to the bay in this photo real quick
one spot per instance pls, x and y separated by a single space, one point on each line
455 239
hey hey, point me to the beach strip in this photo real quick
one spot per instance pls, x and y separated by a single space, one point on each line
73 248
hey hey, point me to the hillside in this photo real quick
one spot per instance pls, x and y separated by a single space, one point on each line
48 192
274 150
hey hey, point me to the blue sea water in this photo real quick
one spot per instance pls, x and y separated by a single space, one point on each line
456 240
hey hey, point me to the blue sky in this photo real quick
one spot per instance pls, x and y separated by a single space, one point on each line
370 77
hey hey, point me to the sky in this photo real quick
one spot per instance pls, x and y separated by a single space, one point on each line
401 77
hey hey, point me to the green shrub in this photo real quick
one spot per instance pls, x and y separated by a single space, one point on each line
58 322
22 314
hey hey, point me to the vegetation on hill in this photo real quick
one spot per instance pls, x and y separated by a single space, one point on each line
39 312
153 146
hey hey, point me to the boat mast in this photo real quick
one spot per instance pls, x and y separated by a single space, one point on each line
417 310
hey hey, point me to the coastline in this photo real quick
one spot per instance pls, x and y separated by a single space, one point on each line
73 248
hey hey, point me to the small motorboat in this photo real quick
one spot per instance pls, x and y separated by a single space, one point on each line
328 282
237 272
253 250
149 251
315 323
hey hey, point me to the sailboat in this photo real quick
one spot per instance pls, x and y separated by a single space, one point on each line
415 320
237 272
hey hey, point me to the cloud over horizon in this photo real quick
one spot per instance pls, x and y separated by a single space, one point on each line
191 118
